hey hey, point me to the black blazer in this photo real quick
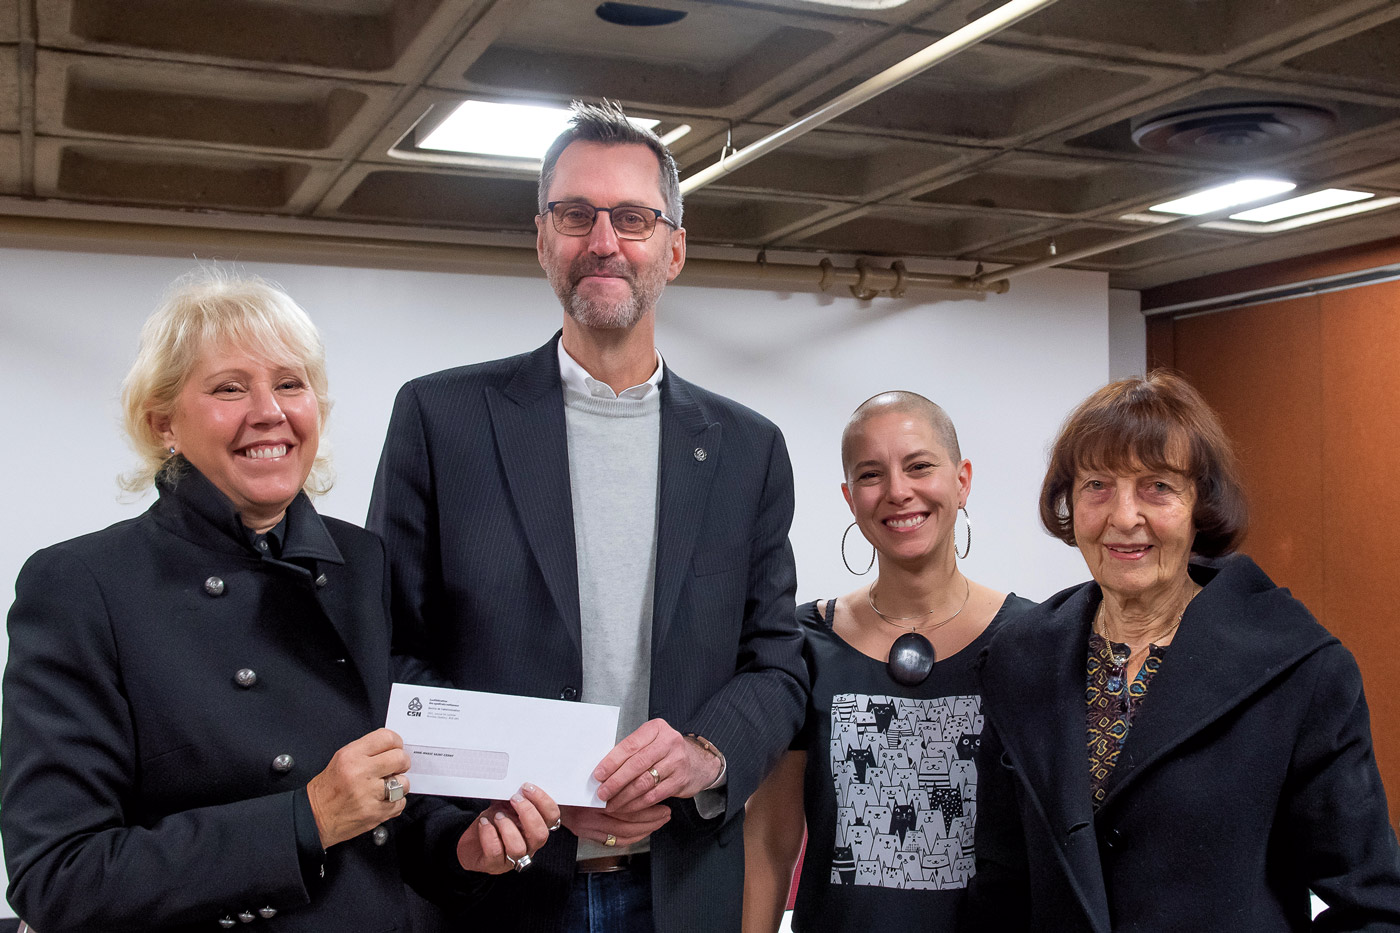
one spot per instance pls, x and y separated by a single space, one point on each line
1248 778
139 785
472 499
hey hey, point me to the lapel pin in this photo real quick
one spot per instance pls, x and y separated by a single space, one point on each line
700 454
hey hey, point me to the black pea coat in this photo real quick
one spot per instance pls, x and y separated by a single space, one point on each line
141 787
1247 778
473 501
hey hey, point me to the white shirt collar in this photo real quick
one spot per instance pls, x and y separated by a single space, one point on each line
577 378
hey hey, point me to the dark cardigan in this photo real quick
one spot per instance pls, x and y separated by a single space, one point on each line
1247 780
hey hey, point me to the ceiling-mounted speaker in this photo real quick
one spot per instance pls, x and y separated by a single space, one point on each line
1234 132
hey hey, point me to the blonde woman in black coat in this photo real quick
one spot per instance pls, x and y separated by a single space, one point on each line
191 699
1177 745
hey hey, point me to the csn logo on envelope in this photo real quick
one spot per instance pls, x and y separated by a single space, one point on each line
415 707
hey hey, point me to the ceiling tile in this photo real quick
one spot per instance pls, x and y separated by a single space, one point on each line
717 57
189 178
85 96
844 165
1057 185
9 89
715 219
9 164
438 198
989 95
368 37
935 234
1174 30
1355 113
1147 252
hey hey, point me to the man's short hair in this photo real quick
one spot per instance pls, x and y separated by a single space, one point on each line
605 123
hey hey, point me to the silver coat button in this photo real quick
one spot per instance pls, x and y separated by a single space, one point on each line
380 834
267 913
321 580
700 454
227 923
282 764
214 586
245 677
247 916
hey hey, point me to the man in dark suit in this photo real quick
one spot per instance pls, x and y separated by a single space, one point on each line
581 523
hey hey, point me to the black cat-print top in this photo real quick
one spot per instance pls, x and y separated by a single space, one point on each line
890 786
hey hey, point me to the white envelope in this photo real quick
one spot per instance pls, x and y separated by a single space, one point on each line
464 743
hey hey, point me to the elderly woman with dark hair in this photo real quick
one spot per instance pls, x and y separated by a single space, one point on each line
192 696
1178 744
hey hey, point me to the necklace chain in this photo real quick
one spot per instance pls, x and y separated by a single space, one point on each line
1100 628
895 620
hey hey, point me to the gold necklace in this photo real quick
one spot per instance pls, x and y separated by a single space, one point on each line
895 620
1100 627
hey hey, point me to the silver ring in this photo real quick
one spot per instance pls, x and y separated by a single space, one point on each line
655 777
556 824
393 790
521 863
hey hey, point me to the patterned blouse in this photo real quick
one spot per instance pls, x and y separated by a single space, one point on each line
1112 704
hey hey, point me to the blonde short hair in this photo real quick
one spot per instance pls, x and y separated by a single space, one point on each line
209 308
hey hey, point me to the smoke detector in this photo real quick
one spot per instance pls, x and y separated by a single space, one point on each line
1235 132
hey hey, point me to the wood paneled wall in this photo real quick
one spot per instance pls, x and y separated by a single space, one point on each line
1309 390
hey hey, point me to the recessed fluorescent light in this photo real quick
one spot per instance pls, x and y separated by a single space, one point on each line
1318 200
520 131
1223 196
1278 226
1335 213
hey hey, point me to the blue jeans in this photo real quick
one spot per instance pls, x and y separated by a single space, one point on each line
611 902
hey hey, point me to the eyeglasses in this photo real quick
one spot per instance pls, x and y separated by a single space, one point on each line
576 218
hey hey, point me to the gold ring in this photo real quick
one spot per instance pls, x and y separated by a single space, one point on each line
610 841
655 777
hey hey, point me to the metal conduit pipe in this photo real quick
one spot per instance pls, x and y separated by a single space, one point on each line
864 281
950 45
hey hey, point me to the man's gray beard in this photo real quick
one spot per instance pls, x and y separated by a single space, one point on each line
605 315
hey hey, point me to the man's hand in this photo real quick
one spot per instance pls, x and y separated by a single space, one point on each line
650 765
625 828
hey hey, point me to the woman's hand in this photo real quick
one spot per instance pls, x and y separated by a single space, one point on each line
624 828
503 834
348 798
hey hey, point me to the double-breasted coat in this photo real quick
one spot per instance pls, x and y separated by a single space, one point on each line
170 690
1247 778
473 501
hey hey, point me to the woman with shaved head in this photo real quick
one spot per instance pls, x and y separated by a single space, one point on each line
882 773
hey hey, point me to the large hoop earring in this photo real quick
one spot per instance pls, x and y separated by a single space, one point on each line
968 549
859 573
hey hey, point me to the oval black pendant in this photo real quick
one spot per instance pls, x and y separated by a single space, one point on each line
911 659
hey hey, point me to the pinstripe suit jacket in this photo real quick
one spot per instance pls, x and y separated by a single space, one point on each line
473 502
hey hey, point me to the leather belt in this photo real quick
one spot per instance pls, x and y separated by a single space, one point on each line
608 863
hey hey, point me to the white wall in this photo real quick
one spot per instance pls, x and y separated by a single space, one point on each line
1127 335
1006 367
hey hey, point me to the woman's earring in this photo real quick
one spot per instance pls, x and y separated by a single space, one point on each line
172 450
859 573
968 549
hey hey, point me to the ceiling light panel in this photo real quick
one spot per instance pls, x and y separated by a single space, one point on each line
518 131
1317 201
1223 196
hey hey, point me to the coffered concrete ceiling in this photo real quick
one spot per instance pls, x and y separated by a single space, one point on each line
281 114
